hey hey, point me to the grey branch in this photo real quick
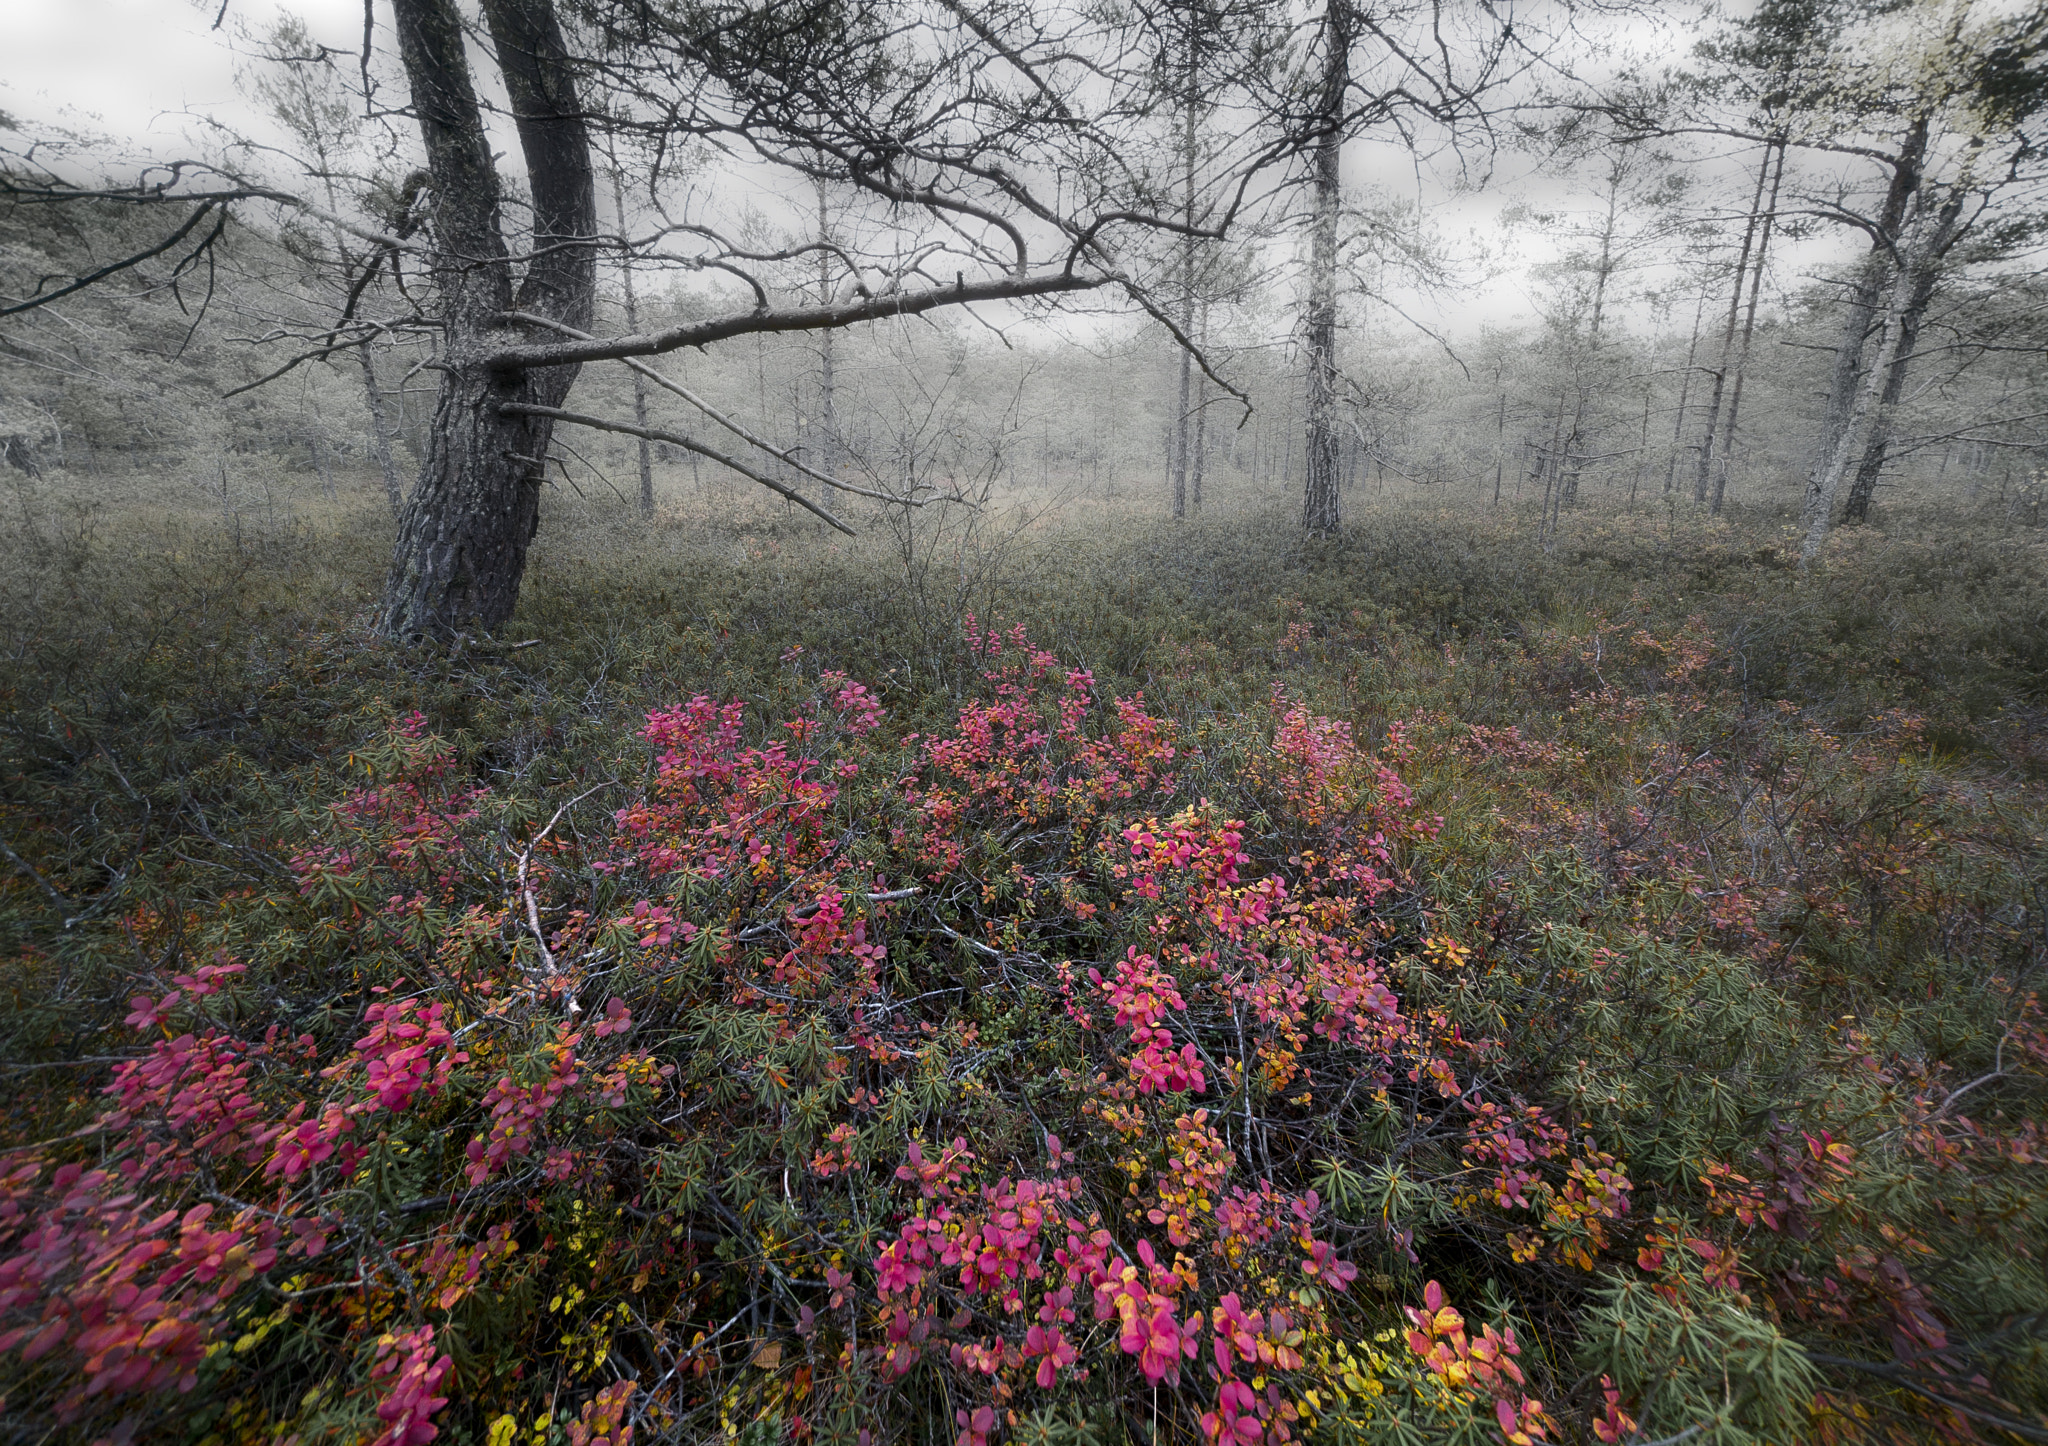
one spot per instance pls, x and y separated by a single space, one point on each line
676 439
802 318
731 424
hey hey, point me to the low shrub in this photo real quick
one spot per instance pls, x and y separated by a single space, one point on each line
1337 1028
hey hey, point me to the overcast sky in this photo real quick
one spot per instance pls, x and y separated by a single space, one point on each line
129 67
140 71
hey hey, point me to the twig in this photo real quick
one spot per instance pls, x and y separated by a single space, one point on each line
1898 1377
42 883
526 892
763 930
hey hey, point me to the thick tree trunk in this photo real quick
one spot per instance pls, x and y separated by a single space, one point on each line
1319 506
1863 491
1859 320
461 548
1865 417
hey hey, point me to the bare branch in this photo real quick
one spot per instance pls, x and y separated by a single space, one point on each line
114 267
731 424
803 318
676 439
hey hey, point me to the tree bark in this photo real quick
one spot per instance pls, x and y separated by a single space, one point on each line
461 549
1756 286
380 434
1319 508
639 378
1859 318
1749 233
1863 491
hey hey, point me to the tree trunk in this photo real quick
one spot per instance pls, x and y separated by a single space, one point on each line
1500 445
1177 439
1319 508
1865 418
1749 234
1858 321
1756 286
1589 363
633 325
1864 489
827 447
1200 462
1692 352
380 434
1182 419
462 540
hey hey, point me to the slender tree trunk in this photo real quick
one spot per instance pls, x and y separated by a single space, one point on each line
1604 270
1182 421
1642 449
1692 351
1500 445
828 397
323 464
380 434
1552 463
1756 286
633 325
1200 463
461 548
1749 235
1319 512
1177 440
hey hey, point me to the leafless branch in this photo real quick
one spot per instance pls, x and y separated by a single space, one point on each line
676 439
827 317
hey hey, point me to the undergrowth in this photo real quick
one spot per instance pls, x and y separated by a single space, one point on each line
1099 982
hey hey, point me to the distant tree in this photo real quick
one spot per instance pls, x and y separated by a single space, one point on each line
1964 184
1423 71
980 189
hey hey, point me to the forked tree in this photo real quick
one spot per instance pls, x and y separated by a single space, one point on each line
1004 154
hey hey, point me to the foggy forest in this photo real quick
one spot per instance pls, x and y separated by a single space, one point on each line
1104 722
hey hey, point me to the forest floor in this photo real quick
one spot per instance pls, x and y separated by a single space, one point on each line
1070 977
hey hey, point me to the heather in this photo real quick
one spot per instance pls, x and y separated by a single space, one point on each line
1063 977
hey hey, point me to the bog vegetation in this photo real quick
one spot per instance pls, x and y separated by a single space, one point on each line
1130 981
1318 858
